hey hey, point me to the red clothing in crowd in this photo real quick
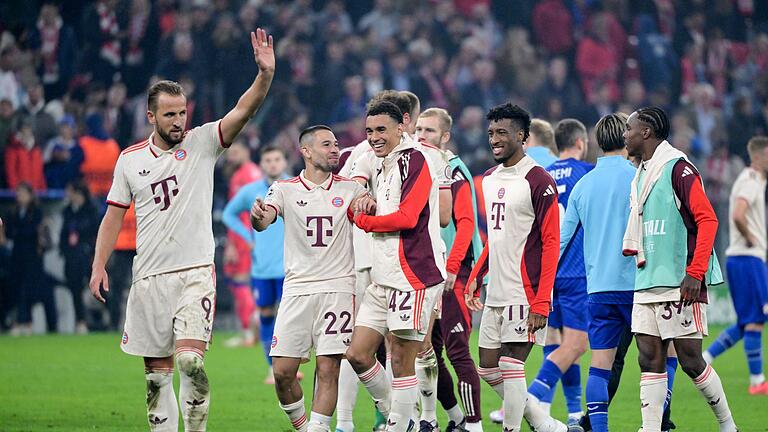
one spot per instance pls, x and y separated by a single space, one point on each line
24 165
100 157
553 26
597 62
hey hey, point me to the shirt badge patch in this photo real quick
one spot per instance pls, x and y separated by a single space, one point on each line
337 202
180 154
501 193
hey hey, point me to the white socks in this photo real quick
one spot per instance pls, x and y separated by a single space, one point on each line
711 388
345 403
194 391
426 373
377 383
404 396
515 392
653 393
493 377
162 411
296 414
319 423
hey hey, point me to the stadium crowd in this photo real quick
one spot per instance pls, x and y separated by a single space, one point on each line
72 83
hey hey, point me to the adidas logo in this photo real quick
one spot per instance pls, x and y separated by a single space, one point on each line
520 330
195 402
645 405
714 402
144 173
686 323
458 328
347 342
391 423
405 317
686 172
550 191
157 420
301 203
426 393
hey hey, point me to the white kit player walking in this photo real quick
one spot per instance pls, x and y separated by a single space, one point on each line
318 306
520 258
169 177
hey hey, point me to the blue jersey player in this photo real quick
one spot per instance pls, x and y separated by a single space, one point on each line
567 334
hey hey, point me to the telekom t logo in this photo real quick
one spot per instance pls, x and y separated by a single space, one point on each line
165 191
318 230
497 214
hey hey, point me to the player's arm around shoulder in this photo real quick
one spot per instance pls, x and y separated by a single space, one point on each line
264 55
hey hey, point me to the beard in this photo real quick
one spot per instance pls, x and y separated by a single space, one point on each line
166 136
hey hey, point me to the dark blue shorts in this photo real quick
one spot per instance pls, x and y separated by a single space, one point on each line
568 304
748 283
268 292
608 321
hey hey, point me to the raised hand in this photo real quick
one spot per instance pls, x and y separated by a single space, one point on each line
263 51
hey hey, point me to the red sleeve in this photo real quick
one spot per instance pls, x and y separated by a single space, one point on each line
696 210
479 270
547 217
464 218
414 196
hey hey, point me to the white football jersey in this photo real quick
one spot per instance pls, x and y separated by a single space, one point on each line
173 194
319 257
362 240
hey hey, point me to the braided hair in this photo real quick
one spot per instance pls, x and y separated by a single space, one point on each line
656 118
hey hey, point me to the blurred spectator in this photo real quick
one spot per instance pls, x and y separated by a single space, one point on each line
26 230
117 116
552 26
521 59
9 84
33 111
57 47
559 86
597 60
373 76
658 63
540 144
352 104
471 137
483 91
100 153
102 47
743 125
63 156
77 242
382 22
24 160
140 50
706 119
6 131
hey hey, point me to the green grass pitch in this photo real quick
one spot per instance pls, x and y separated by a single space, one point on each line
85 383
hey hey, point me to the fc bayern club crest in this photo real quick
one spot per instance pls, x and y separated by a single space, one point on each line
501 193
274 341
125 338
337 202
180 154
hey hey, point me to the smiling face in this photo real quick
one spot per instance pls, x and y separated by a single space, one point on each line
505 138
169 118
383 133
321 149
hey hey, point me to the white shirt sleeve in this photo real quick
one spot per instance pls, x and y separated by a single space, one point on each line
275 198
120 191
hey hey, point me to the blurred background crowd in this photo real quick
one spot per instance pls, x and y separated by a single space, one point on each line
73 76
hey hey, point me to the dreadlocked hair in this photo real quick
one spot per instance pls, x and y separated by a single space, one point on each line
657 119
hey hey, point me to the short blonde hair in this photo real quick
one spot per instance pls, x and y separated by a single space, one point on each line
756 144
544 132
446 122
